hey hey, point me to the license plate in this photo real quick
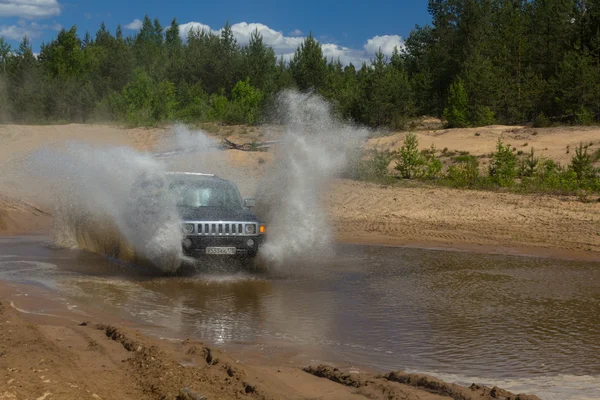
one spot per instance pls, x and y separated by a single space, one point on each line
220 250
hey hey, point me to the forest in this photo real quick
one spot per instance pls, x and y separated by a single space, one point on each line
478 62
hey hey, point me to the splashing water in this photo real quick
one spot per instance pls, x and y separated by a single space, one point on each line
115 200
109 200
316 149
183 140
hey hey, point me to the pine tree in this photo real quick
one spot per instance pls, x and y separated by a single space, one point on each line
456 114
308 66
260 63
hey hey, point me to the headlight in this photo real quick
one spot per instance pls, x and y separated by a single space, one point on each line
250 229
187 229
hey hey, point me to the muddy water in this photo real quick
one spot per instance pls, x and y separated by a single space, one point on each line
527 324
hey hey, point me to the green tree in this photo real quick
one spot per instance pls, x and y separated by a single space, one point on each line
456 113
5 50
25 80
63 57
409 161
308 66
249 100
260 63
503 165
149 50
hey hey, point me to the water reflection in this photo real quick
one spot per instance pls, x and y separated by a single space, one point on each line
489 317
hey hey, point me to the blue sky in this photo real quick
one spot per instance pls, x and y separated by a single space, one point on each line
351 30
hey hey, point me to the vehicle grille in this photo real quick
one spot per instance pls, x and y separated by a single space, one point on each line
223 228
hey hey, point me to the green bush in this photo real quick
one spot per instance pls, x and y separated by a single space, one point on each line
249 99
456 114
483 116
584 117
433 165
368 165
464 172
542 121
144 101
503 165
194 103
529 165
409 159
245 106
583 166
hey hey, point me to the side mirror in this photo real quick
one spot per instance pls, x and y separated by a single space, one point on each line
249 203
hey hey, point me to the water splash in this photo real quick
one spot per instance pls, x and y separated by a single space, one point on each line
109 200
315 149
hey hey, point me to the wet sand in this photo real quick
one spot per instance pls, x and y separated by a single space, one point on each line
526 324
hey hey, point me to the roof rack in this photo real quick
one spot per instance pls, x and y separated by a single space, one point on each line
188 173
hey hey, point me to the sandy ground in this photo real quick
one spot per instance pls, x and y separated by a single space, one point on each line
365 213
470 220
53 356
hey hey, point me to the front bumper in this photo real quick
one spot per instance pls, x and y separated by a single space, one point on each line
195 246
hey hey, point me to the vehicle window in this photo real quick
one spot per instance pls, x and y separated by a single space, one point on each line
206 194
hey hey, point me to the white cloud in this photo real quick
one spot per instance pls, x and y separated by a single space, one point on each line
296 32
14 32
30 9
32 30
386 43
280 43
134 25
184 29
286 45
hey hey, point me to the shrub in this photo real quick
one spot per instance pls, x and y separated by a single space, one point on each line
409 161
503 166
583 116
249 99
433 165
529 164
244 107
145 102
368 165
194 103
456 114
465 171
483 116
582 165
542 121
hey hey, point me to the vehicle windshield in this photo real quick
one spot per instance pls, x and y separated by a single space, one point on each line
206 193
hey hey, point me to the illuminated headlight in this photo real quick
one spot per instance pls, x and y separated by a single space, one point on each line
250 229
187 229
